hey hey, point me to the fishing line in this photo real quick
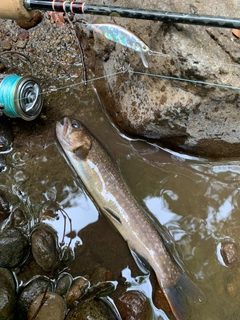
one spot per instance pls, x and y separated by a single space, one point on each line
154 75
165 77
212 84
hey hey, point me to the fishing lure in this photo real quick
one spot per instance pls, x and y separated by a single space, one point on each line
124 37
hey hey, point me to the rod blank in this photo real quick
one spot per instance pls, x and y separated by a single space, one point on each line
124 12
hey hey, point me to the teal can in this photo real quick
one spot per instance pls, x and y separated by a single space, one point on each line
20 97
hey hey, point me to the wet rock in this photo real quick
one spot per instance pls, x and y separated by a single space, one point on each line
101 289
4 207
14 248
6 135
7 294
54 307
45 247
197 119
91 310
67 254
100 274
77 290
6 139
134 305
36 19
31 291
18 218
64 283
229 253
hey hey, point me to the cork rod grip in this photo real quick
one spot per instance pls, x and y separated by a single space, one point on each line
15 10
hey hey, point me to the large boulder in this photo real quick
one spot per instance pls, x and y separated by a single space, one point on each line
193 118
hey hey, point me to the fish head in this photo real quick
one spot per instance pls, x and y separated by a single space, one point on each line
73 137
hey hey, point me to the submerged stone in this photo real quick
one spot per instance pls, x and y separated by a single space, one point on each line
54 307
63 283
77 290
30 291
134 305
91 310
7 295
45 247
229 253
14 248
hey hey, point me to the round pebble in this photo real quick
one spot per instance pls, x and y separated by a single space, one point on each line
54 307
229 253
134 305
14 248
91 310
7 294
44 247
77 290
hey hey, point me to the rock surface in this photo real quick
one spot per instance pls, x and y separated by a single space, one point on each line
134 305
7 294
178 115
54 307
14 248
45 247
90 310
193 118
229 253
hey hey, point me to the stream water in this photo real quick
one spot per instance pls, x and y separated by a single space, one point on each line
197 200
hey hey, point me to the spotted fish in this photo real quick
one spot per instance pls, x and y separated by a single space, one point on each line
102 180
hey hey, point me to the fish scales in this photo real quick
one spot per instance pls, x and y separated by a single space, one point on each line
103 182
112 192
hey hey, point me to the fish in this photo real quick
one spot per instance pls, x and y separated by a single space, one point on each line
102 180
122 36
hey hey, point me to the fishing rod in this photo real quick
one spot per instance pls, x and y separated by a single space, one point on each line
21 9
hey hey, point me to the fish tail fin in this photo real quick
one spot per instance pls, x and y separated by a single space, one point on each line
179 295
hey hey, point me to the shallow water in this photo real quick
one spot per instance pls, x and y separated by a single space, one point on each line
197 200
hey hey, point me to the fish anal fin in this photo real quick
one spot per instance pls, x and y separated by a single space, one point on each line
180 295
111 214
141 262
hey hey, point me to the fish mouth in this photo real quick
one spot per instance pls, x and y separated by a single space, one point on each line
63 129
63 125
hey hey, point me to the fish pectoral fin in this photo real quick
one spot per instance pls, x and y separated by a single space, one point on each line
111 214
141 262
81 151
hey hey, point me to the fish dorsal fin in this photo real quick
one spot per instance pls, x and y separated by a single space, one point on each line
81 152
111 214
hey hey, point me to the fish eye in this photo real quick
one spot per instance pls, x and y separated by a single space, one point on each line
76 124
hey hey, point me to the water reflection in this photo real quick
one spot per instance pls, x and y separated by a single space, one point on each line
197 200
81 211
